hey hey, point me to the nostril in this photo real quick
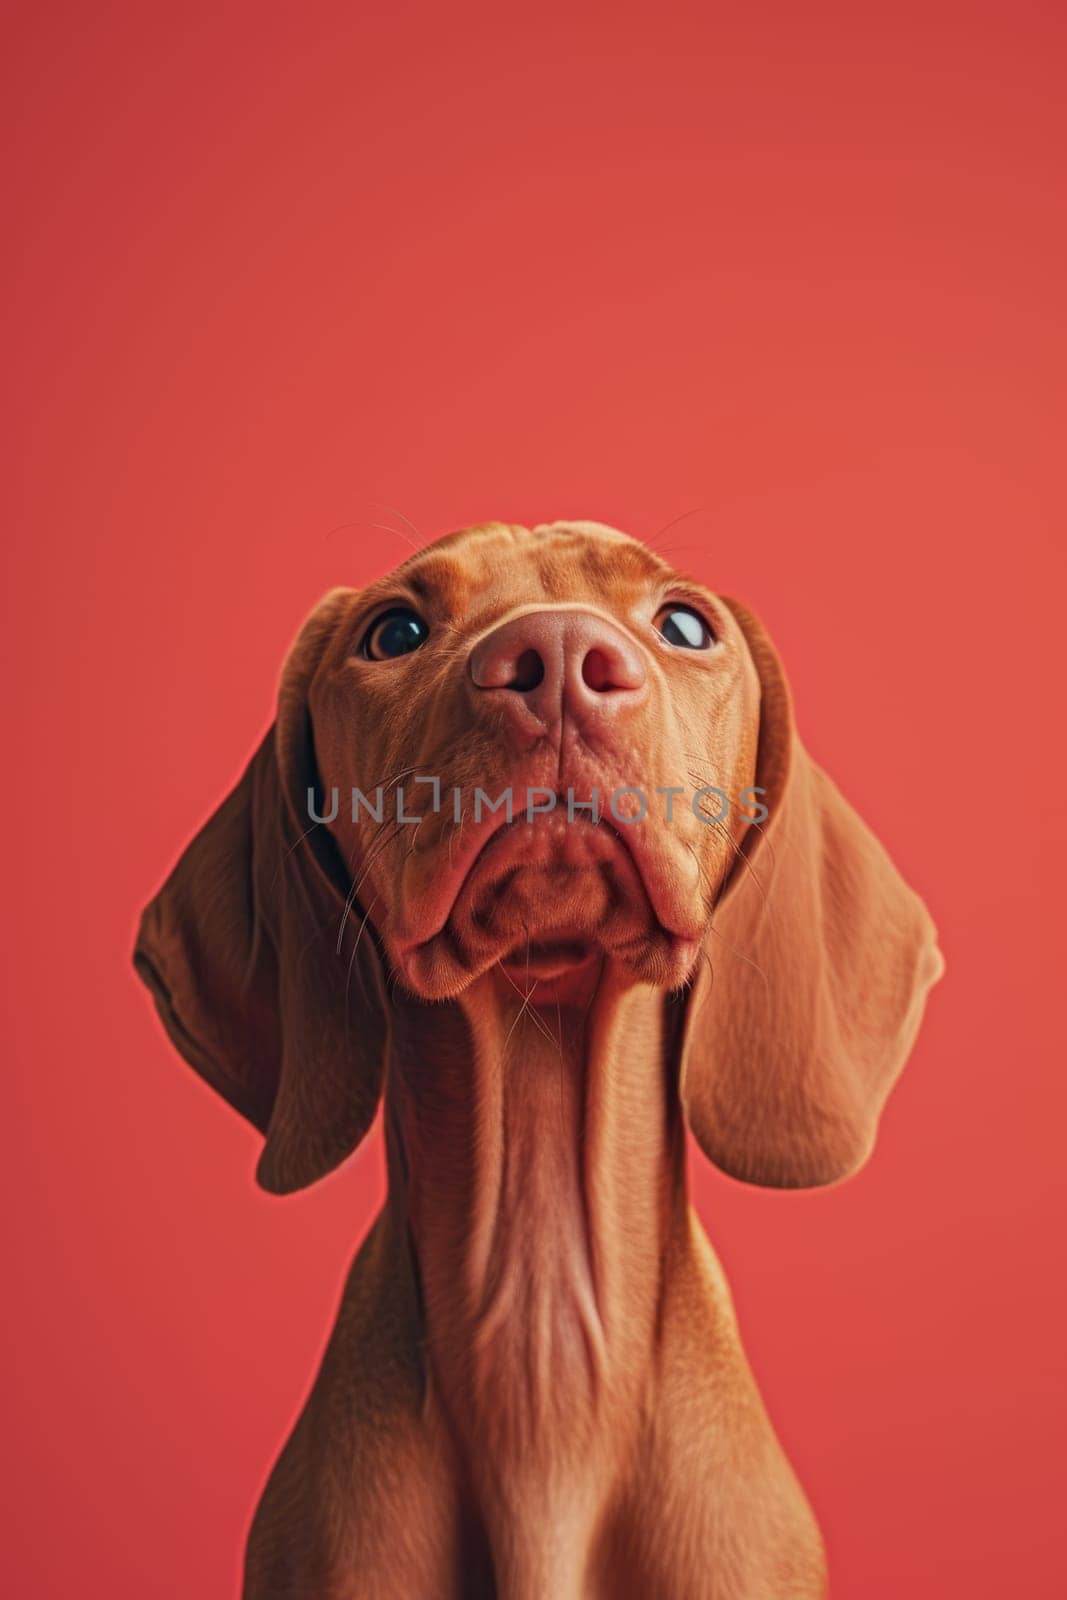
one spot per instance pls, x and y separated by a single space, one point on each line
602 673
529 672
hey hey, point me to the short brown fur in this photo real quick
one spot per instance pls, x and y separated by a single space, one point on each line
535 1389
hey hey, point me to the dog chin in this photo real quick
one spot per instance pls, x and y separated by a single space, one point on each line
547 963
544 907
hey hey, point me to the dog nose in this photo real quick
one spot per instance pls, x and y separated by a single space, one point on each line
553 664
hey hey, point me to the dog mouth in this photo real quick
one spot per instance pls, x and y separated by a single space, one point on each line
538 876
546 900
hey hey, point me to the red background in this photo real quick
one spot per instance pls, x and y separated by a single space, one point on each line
799 266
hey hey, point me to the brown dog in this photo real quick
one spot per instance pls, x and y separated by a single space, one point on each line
535 1389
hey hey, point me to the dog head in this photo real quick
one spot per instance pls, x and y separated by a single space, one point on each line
536 702
529 754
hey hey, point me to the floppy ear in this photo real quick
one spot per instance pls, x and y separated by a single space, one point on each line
240 951
821 958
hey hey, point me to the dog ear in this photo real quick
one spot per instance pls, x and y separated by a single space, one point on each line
241 951
820 959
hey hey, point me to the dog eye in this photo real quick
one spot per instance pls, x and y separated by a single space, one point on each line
684 628
397 633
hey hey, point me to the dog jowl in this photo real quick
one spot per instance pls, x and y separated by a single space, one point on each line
535 1389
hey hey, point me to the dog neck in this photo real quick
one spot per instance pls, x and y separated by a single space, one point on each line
537 1158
